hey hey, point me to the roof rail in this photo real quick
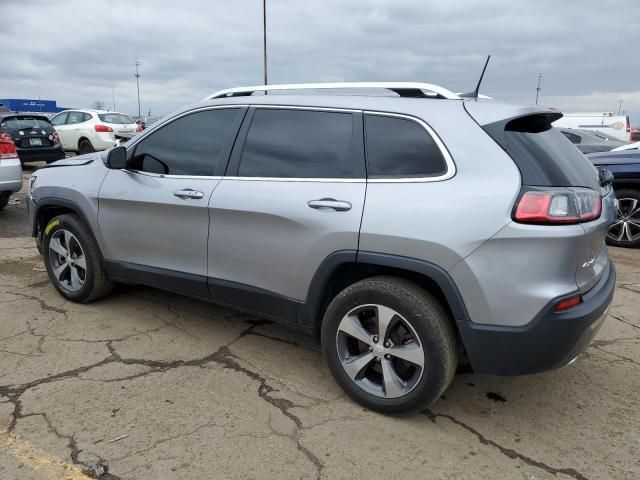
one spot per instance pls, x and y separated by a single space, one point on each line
404 89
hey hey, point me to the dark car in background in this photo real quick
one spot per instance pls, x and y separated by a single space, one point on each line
635 135
590 142
34 137
625 166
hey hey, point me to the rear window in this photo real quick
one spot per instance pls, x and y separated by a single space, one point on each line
398 147
119 118
543 154
24 122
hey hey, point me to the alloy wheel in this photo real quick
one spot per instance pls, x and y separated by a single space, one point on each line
380 351
67 260
626 228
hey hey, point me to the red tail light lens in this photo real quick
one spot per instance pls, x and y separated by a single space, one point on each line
559 206
567 303
7 147
102 128
138 129
56 138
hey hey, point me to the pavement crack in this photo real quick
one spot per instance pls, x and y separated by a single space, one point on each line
624 321
508 452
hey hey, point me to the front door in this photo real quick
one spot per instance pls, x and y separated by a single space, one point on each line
154 217
293 195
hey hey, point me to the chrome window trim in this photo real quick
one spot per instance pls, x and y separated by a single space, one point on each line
451 167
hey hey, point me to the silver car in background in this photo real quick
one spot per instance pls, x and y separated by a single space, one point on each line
409 232
10 169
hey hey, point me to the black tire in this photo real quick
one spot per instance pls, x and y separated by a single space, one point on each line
625 198
85 147
4 199
428 319
97 283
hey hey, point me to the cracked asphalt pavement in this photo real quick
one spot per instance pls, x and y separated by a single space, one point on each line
150 385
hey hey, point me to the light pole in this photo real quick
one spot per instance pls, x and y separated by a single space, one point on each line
620 107
264 39
113 96
538 88
137 75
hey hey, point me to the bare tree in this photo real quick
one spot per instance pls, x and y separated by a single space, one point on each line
99 105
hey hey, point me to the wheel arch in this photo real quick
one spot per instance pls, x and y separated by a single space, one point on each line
48 208
344 268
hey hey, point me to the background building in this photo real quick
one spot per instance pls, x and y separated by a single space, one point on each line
29 105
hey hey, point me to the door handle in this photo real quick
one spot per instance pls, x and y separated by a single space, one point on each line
188 193
326 204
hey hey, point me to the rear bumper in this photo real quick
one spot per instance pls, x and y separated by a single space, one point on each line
550 341
10 175
45 154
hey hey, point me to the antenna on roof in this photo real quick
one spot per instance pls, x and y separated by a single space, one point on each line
474 94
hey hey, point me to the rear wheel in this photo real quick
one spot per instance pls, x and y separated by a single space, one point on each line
85 147
72 259
625 231
389 344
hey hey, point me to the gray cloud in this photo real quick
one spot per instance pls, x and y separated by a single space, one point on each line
73 51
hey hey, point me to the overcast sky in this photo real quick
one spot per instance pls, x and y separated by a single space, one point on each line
73 51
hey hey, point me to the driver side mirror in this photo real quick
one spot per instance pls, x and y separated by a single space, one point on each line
117 158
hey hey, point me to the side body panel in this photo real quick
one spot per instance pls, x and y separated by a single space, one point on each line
265 235
442 222
142 222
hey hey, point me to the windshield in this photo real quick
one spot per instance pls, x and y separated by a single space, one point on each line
119 118
23 123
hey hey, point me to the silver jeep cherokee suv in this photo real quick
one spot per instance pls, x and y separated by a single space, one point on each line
409 231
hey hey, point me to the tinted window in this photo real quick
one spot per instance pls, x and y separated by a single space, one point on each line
298 144
190 145
59 119
24 122
118 118
573 138
543 155
397 147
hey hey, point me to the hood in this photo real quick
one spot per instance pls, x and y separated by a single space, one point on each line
74 161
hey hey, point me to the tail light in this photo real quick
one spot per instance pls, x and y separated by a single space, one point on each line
102 128
138 129
567 303
55 138
7 147
559 206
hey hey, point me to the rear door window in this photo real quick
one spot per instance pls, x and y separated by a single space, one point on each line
399 147
195 144
286 143
75 117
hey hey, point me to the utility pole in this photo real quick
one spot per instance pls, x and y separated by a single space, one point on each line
264 38
620 108
137 75
538 88
113 96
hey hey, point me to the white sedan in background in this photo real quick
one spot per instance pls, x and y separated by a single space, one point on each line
85 131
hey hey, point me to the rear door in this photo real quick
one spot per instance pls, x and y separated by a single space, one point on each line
72 129
293 195
154 217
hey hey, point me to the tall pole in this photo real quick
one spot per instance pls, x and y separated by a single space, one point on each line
538 88
137 75
264 38
620 107
113 96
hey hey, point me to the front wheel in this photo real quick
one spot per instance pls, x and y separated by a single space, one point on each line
389 344
72 259
625 231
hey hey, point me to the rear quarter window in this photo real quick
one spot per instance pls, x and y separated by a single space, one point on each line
399 147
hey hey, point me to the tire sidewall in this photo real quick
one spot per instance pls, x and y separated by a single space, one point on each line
434 377
85 147
71 224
